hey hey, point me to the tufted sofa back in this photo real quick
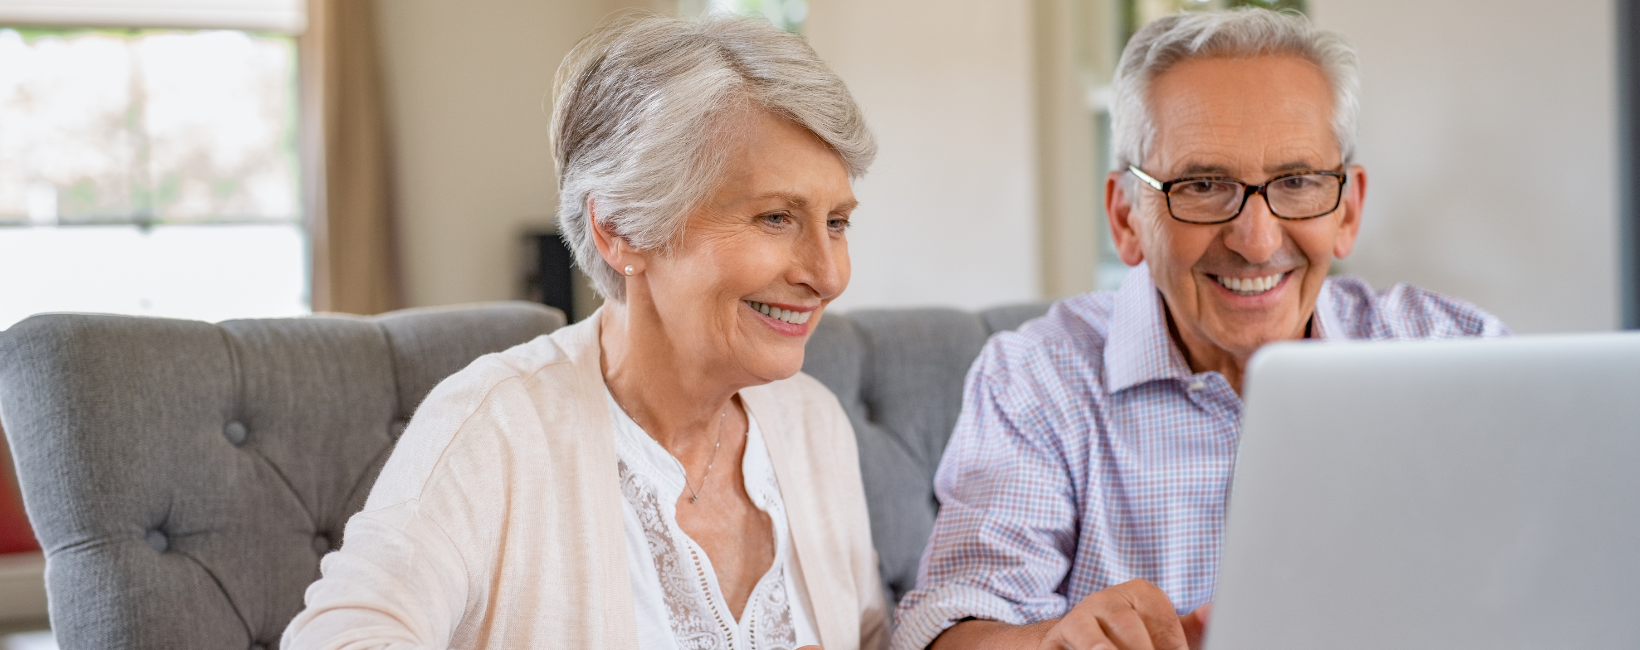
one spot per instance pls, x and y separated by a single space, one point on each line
899 374
184 477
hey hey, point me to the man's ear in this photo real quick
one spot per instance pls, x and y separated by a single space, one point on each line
1355 194
615 250
1123 230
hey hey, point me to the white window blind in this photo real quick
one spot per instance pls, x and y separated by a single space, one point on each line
288 16
149 171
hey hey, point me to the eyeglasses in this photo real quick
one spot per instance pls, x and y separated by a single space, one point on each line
1210 200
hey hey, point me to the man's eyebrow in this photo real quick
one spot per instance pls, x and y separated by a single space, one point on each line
1294 166
846 206
1204 169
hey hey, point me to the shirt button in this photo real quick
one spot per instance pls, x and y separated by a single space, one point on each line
1198 385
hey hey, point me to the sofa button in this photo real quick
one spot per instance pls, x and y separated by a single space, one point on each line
156 540
235 432
321 544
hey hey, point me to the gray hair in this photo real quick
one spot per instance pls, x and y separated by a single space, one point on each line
1238 33
641 109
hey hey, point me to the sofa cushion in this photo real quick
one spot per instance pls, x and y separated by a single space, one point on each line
185 477
899 374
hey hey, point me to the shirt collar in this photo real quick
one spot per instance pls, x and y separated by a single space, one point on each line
1140 349
1325 320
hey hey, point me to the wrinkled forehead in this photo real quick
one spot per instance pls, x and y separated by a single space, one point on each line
1241 116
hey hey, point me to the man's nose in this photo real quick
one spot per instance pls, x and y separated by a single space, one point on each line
1256 233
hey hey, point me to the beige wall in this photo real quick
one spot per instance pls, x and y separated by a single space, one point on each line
949 210
468 85
1488 132
948 214
1515 102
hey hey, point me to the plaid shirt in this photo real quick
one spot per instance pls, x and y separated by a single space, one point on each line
1088 454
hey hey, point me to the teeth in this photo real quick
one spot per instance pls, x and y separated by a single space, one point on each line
1250 286
787 315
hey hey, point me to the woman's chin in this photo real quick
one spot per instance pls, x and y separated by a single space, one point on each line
776 366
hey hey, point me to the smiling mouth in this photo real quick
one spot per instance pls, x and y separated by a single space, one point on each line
785 315
1250 286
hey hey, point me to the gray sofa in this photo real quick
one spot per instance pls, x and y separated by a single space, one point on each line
185 477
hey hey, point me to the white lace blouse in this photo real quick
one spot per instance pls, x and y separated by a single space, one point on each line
675 592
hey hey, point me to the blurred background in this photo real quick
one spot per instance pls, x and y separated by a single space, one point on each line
217 159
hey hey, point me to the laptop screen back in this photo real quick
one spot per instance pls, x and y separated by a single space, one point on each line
1453 495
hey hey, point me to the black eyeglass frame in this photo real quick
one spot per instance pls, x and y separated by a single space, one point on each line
1247 191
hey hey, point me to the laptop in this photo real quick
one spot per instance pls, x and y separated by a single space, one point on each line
1436 494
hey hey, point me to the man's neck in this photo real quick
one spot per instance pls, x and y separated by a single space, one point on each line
1203 356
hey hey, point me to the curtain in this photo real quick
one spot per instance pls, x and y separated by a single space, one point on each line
348 179
16 536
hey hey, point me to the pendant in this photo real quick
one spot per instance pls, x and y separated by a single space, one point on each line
694 498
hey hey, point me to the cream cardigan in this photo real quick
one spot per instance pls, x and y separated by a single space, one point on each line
496 522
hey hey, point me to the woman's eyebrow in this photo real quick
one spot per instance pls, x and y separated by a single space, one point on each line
800 202
788 198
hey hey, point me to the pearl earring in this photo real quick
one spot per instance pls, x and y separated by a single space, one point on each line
628 269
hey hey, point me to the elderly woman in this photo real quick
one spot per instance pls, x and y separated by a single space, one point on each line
659 475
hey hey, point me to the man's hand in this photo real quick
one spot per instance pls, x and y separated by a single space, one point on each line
1134 615
1195 625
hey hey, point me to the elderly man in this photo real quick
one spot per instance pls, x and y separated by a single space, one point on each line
1083 491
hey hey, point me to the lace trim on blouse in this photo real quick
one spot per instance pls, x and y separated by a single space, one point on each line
692 604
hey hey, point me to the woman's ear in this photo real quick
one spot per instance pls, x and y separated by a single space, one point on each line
615 250
1123 231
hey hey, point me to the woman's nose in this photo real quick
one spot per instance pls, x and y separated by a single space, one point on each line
818 265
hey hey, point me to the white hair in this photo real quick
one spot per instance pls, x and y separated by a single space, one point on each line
641 111
1238 33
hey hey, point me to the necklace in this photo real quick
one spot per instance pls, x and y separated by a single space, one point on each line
694 493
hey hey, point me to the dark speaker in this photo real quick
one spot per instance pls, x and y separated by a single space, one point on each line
551 278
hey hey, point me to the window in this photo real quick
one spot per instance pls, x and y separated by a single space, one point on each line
785 14
1135 13
151 172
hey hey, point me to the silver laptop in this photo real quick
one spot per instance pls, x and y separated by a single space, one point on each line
1452 495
